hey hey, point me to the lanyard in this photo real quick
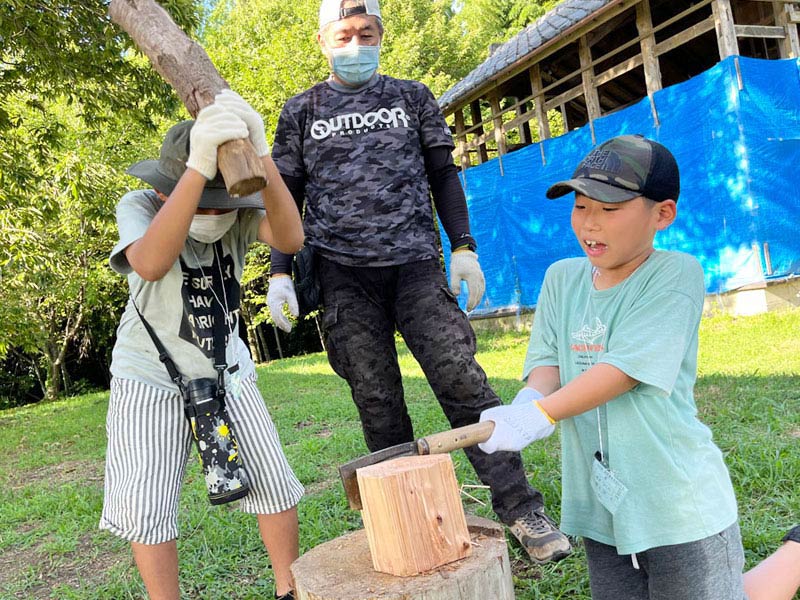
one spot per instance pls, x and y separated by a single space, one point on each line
586 339
220 314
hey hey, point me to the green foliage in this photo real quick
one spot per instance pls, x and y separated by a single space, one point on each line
423 42
70 49
487 22
525 12
56 229
268 51
77 104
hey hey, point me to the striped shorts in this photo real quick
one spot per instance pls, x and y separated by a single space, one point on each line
149 442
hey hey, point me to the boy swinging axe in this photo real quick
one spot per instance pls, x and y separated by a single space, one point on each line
184 64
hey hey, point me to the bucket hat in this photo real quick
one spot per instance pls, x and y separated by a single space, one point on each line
163 174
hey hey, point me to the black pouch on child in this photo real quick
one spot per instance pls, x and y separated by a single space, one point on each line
226 479
306 282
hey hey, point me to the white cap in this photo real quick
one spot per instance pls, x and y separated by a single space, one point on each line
333 10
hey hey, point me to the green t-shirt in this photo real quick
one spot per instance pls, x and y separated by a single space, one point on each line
678 488
180 305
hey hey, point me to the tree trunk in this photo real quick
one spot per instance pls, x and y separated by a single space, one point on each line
65 380
246 321
319 333
37 371
186 67
59 339
277 340
53 386
341 569
264 344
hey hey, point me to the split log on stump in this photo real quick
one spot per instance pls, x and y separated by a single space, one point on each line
342 570
186 67
413 514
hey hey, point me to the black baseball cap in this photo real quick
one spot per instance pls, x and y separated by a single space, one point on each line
624 168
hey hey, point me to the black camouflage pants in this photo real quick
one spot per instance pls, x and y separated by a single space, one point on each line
362 308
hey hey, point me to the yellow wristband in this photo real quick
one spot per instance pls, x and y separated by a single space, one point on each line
544 412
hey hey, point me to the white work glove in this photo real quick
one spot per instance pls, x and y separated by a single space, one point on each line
255 124
213 127
518 424
280 292
464 266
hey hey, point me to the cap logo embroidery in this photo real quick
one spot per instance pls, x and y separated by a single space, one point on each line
603 160
597 159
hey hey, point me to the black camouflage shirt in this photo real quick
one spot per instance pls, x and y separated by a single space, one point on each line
360 154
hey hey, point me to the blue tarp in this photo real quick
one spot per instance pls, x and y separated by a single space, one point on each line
737 146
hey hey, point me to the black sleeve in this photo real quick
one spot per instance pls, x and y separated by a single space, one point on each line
448 196
280 262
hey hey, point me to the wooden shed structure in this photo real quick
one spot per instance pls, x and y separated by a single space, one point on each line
589 58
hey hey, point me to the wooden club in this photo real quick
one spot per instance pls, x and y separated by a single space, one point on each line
184 64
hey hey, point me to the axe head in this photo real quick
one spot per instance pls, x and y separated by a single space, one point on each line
348 470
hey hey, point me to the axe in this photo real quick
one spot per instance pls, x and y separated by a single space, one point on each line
437 443
186 67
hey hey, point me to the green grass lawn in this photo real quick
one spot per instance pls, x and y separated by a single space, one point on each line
52 469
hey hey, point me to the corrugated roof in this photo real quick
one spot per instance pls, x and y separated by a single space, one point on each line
549 26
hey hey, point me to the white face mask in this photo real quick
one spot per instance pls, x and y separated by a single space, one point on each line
209 228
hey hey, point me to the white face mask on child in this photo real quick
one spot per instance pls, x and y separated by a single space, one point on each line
209 228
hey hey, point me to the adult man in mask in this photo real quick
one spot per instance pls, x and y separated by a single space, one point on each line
365 152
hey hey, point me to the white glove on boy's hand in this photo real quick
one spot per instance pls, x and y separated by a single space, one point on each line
518 424
464 266
280 292
255 124
527 395
213 127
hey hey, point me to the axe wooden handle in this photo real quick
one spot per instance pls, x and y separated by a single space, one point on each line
462 437
186 67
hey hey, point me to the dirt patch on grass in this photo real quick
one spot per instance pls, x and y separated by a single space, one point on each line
70 471
324 430
33 573
320 486
33 570
524 569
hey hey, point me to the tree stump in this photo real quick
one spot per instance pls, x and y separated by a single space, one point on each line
341 569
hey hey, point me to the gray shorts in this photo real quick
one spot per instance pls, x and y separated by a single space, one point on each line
149 442
708 569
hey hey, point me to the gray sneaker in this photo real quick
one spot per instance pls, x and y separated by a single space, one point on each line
540 537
